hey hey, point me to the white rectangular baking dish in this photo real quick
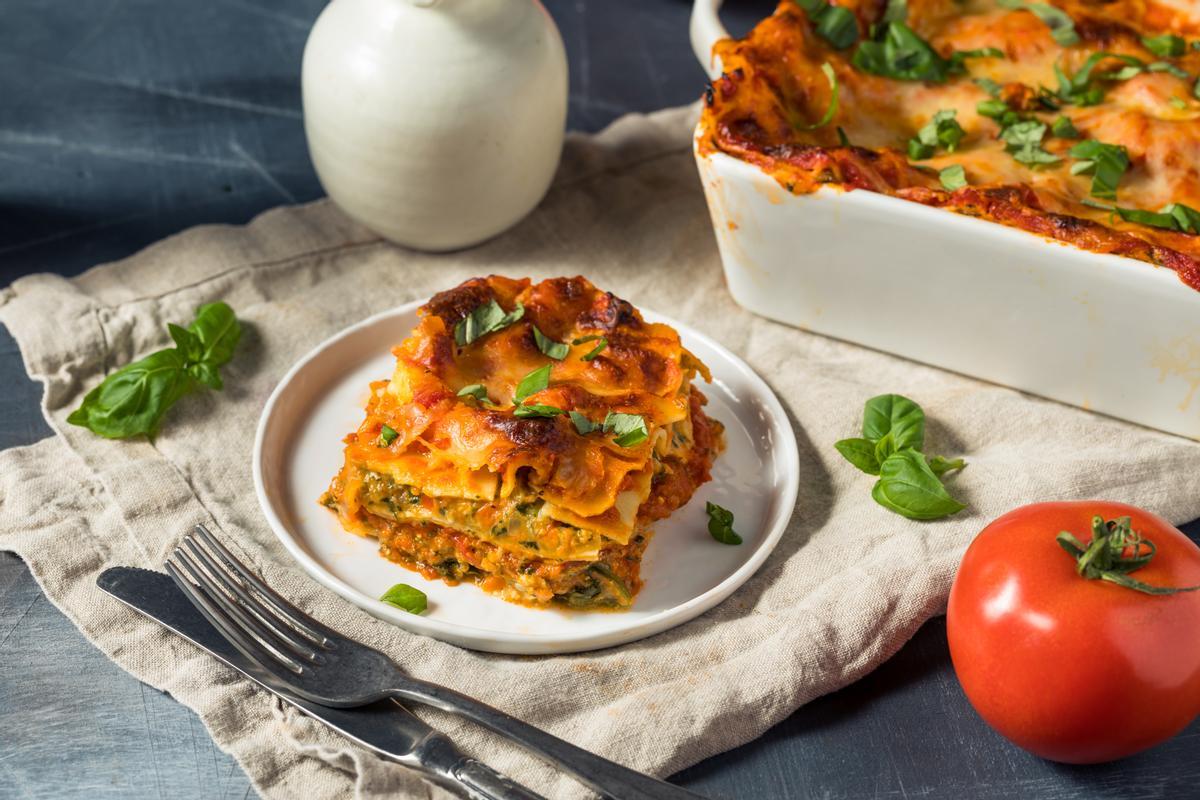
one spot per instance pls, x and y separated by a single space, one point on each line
1105 333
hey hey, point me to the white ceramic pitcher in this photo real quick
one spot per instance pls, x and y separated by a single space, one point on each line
436 123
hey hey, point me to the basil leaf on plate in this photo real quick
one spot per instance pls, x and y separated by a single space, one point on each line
403 596
484 319
1106 163
908 486
387 435
532 383
942 130
953 177
720 524
860 453
536 410
582 424
476 390
630 429
1168 45
556 350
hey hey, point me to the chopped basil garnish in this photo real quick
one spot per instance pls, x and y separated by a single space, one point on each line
406 597
476 390
896 11
843 139
483 320
1061 26
988 85
556 350
387 435
720 524
953 177
1178 102
943 130
532 383
1171 217
630 429
893 436
832 108
601 344
536 410
834 24
1064 128
582 424
1024 141
901 54
995 108
1106 163
1168 45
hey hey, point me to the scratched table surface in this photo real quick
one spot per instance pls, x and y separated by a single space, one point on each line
124 121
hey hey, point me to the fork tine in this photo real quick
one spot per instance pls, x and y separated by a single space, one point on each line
320 634
288 636
219 620
234 616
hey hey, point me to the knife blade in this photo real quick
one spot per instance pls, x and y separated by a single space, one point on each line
386 728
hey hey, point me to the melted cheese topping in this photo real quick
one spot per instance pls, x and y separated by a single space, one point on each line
487 460
773 85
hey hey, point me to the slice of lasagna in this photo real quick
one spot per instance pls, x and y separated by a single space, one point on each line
527 439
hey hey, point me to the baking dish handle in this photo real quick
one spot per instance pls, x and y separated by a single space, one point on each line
705 31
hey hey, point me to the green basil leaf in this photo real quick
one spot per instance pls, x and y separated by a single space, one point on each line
1064 128
832 108
582 424
406 597
1106 163
218 331
532 383
953 177
134 399
860 453
1196 89
940 466
485 319
1178 102
1024 140
989 86
843 139
897 415
536 410
387 435
901 55
838 26
1187 219
1168 45
585 339
476 390
941 131
896 11
1169 68
993 107
1151 218
595 351
908 486
556 350
834 24
885 447
186 342
630 429
1061 26
720 524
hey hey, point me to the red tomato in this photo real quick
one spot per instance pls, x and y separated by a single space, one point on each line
1071 669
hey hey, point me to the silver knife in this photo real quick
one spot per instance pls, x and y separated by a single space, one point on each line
386 727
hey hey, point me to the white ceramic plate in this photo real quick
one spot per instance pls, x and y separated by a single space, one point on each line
299 448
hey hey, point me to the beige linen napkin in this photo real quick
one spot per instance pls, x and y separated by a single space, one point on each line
848 584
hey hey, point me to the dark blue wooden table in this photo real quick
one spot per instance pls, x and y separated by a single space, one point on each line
123 121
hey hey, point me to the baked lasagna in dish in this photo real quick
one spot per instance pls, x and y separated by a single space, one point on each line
527 440
1078 120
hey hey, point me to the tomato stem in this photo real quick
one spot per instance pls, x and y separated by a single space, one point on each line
1115 551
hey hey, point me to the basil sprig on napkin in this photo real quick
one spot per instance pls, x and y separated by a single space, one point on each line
134 399
909 482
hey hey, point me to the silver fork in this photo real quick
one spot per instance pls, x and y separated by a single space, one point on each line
325 667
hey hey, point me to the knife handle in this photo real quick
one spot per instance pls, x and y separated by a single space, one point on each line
488 784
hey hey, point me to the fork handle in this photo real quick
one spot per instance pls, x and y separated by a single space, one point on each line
609 779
